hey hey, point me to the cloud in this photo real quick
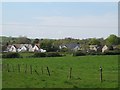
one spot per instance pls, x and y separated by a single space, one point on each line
105 21
61 27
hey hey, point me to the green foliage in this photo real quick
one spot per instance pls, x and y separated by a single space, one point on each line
49 46
64 50
23 40
47 54
92 52
36 41
118 40
112 40
113 52
39 54
79 53
11 55
52 45
94 41
53 54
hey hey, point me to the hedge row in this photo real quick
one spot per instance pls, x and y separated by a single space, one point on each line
112 53
48 54
80 53
11 55
37 54
57 54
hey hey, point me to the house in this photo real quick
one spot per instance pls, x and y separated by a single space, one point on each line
77 48
30 49
36 48
93 47
11 48
26 47
96 48
71 46
62 46
22 48
105 48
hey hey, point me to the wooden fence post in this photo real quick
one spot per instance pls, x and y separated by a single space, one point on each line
48 71
70 72
42 69
31 69
100 74
8 68
18 67
13 68
26 68
36 71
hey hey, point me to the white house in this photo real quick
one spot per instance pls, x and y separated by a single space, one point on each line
30 49
35 48
93 47
71 46
105 48
23 48
64 46
12 48
76 48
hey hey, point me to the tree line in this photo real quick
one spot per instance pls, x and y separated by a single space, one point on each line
53 44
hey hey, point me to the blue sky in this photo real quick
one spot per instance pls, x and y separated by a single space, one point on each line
60 20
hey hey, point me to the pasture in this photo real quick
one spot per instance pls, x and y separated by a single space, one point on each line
85 72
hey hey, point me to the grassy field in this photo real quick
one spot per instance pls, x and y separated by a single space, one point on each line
85 72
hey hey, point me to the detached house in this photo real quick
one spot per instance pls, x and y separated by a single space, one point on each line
11 48
36 48
71 46
22 48
106 48
93 47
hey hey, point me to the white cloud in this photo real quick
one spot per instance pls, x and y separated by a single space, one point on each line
83 22
61 27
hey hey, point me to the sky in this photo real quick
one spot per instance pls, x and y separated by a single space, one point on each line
57 20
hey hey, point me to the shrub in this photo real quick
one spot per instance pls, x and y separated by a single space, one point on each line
11 55
79 53
53 54
39 54
116 52
92 52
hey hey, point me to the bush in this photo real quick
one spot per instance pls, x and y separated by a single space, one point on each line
11 55
92 52
112 52
53 54
39 54
79 53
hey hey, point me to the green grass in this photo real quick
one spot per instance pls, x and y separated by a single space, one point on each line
85 72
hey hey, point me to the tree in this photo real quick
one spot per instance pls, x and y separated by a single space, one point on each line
94 41
118 40
48 45
112 40
36 41
23 40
